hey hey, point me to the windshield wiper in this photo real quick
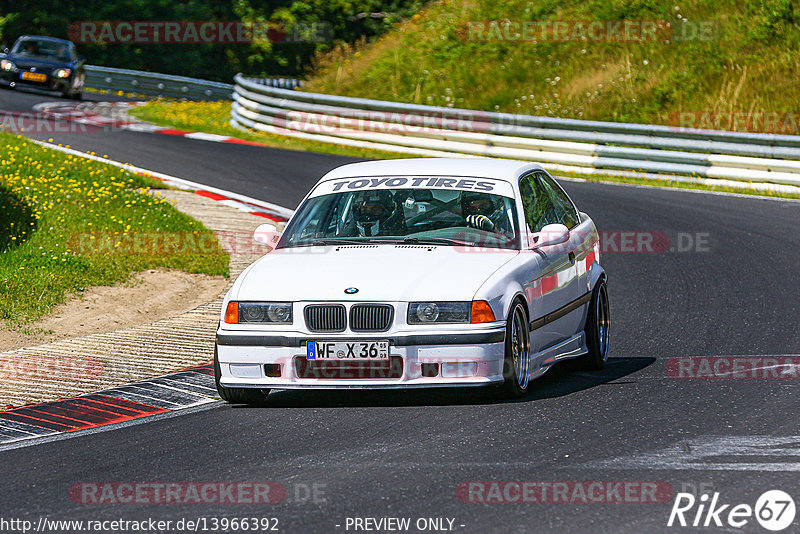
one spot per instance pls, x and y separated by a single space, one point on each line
322 242
435 241
334 241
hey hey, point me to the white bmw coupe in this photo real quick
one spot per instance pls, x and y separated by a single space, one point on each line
418 273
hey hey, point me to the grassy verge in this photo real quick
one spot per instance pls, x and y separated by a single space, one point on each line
214 117
67 223
709 64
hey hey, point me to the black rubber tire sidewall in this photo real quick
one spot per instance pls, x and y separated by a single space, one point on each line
593 360
510 388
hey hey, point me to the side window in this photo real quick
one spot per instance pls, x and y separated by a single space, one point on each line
539 210
565 210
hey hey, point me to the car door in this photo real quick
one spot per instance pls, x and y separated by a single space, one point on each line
551 278
581 249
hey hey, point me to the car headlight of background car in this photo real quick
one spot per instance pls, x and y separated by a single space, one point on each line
258 312
7 65
62 73
477 311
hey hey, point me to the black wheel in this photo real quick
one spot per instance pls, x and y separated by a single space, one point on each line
597 329
250 396
77 96
517 363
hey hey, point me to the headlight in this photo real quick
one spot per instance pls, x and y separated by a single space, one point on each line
7 65
438 312
62 73
260 312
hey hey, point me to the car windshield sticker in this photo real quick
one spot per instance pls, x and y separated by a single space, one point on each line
461 183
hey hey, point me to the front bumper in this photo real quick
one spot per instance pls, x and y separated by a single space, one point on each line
12 79
460 358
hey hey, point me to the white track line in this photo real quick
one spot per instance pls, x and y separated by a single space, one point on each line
173 180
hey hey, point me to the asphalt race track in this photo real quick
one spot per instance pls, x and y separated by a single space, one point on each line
733 291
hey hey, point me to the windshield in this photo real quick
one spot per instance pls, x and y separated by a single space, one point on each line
424 216
42 48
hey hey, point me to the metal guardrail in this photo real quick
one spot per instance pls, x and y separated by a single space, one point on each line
280 83
570 143
167 85
155 84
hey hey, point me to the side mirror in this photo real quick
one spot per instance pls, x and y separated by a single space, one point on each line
267 234
552 234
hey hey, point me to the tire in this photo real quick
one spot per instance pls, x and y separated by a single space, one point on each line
517 362
251 396
597 330
77 96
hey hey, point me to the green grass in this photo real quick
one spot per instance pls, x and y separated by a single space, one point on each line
748 65
214 117
67 223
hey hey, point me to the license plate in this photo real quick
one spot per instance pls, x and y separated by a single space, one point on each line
33 76
347 350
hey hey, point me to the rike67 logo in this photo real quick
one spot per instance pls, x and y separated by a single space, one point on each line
774 510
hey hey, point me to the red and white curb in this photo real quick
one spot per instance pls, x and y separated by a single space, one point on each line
113 116
188 388
273 212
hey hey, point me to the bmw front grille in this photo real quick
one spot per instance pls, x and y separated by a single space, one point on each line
363 317
370 317
326 317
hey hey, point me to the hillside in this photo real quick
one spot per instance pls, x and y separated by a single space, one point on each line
699 63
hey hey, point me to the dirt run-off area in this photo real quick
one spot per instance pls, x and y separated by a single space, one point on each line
146 297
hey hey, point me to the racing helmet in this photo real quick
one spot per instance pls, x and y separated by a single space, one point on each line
371 209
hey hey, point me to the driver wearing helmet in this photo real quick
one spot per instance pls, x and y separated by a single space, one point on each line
480 211
375 213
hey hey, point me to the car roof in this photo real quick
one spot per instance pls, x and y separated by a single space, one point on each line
44 38
499 169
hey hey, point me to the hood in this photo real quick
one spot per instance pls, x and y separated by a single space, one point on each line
380 272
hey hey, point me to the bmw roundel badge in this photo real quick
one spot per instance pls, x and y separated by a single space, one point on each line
351 290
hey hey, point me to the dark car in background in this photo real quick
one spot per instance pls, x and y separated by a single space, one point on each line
43 63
